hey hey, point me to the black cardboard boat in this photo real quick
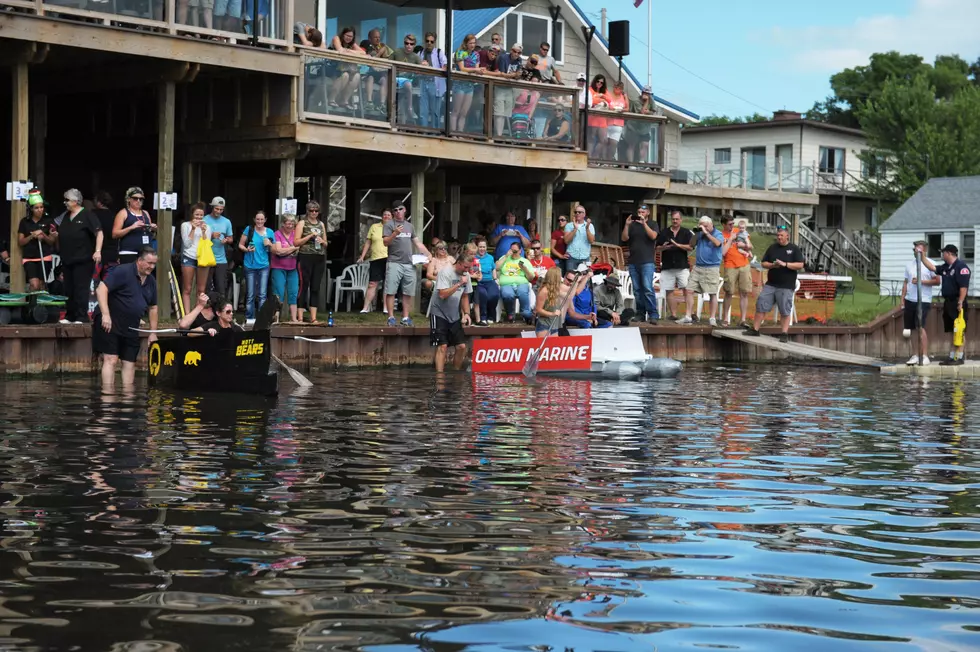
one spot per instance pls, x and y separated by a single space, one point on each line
229 362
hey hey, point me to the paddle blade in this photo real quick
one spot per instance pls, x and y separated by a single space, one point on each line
297 377
531 366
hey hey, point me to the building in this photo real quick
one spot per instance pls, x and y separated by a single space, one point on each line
942 212
787 153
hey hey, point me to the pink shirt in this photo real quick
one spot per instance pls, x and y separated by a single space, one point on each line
283 262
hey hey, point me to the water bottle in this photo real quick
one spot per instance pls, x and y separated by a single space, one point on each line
330 319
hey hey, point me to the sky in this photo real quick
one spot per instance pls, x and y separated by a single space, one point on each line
739 57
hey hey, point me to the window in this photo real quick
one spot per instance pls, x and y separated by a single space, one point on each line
874 168
967 245
871 217
531 30
786 152
935 241
723 156
835 216
832 160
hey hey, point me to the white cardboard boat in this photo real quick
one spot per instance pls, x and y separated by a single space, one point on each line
606 354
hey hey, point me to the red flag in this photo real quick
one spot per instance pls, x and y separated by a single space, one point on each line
637 3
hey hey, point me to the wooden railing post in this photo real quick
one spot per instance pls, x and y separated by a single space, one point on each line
287 27
20 158
166 118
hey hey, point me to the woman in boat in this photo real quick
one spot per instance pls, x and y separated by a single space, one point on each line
191 233
311 238
255 243
549 303
285 276
223 322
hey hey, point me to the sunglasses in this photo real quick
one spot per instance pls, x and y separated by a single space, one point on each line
535 248
137 198
782 227
430 41
563 220
409 42
313 210
229 311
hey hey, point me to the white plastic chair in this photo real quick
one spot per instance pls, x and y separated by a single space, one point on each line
626 287
661 296
353 279
706 298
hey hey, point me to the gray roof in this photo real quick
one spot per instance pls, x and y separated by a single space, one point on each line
942 204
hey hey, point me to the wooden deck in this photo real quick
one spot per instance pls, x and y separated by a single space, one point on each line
800 350
935 370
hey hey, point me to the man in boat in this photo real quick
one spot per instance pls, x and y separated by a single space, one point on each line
910 295
955 277
128 292
610 305
450 311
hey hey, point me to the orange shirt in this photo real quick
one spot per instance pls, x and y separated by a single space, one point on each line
735 257
617 103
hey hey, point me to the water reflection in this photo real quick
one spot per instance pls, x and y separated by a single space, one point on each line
782 508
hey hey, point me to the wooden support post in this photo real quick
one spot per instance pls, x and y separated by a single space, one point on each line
287 179
454 210
191 179
166 99
40 110
20 159
418 222
546 206
795 231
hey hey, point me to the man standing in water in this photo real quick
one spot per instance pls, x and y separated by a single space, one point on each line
124 297
955 277
450 311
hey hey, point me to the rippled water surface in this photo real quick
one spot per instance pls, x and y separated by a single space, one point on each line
770 508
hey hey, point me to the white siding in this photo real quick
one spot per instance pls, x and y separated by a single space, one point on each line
814 139
694 145
896 252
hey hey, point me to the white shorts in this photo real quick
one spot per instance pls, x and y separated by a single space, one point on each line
674 279
614 133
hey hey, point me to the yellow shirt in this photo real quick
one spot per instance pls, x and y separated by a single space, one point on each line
375 237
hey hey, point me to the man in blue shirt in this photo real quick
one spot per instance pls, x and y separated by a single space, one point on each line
706 277
127 293
505 234
222 233
579 236
955 276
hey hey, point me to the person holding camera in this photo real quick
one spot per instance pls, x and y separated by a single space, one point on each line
516 273
641 234
133 227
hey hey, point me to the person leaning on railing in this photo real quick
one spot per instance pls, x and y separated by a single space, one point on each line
525 101
404 93
465 59
433 88
638 132
349 78
375 48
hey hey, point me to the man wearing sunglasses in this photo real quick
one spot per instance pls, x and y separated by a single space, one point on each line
783 260
405 110
433 88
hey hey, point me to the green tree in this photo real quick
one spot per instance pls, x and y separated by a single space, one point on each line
919 134
718 120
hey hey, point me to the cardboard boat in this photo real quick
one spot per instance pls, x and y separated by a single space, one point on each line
588 354
229 362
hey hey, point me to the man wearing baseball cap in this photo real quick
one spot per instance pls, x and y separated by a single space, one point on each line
910 294
221 236
955 277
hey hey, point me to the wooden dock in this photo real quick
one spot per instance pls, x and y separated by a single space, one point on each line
934 370
799 350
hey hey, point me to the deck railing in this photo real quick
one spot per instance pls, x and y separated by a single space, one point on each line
274 20
347 89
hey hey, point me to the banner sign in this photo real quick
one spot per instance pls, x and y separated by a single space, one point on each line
509 355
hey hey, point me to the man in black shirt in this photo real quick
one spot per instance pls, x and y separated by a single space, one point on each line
641 234
675 244
80 242
128 292
955 276
783 260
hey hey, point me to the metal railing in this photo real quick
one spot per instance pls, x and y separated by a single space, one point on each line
274 19
621 139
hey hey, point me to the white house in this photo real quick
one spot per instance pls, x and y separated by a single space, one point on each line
944 211
787 153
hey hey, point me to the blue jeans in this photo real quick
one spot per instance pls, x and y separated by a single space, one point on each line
644 292
572 263
430 105
581 323
285 285
519 292
487 295
256 283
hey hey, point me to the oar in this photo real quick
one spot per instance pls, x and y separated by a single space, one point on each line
297 377
531 366
163 330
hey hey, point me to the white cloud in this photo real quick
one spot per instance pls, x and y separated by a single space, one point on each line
931 27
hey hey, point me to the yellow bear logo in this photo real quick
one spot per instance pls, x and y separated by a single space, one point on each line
191 358
168 359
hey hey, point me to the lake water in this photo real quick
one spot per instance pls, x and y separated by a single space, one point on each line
766 508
